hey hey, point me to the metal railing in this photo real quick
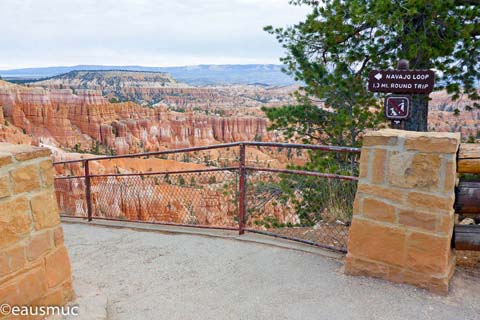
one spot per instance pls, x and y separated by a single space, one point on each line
236 188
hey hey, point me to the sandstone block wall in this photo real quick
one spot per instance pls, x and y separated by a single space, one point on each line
34 264
403 212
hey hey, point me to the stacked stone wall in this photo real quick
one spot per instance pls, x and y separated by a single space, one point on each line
403 212
34 263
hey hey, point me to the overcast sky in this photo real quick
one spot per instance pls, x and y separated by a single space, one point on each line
37 33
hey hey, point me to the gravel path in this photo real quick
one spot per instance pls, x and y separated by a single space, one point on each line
149 275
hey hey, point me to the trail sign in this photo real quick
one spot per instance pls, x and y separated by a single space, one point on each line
401 81
397 107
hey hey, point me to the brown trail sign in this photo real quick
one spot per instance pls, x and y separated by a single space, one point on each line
401 81
415 85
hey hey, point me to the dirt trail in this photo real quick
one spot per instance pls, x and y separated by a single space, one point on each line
149 275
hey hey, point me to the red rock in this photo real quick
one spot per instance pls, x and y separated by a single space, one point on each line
65 119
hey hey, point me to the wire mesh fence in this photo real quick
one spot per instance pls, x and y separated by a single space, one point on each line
299 192
70 193
204 198
311 208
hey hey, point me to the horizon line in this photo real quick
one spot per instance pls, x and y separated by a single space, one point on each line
143 66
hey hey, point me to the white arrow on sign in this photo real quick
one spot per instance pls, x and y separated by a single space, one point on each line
378 76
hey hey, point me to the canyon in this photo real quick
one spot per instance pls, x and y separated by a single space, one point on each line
154 89
87 121
84 112
82 115
443 118
157 89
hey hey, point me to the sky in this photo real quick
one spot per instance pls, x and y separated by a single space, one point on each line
40 33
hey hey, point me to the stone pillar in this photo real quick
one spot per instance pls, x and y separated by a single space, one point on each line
403 212
34 264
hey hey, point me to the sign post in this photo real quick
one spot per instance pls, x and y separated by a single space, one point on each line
404 83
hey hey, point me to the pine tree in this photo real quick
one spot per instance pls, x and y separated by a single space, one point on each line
340 41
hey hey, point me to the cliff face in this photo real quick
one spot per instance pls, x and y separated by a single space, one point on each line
59 117
151 88
442 117
467 122
125 85
12 134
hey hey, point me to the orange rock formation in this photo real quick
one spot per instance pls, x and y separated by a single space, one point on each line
59 117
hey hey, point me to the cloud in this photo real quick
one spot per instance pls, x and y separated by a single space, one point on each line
141 32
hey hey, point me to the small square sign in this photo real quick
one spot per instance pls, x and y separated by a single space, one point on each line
397 107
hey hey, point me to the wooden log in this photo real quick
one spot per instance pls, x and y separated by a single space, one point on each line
467 237
467 197
469 158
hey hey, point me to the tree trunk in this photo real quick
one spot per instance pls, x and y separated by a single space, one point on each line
419 118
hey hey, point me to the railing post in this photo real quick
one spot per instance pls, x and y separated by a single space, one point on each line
242 191
88 192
